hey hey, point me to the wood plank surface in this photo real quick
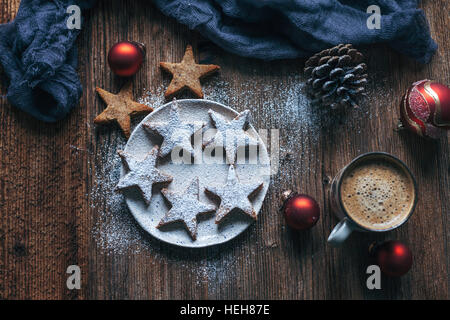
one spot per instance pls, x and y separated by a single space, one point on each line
57 207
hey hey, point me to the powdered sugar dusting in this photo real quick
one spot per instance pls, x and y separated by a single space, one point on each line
281 105
154 100
287 110
217 270
115 230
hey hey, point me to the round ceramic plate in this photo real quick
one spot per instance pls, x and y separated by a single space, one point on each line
208 233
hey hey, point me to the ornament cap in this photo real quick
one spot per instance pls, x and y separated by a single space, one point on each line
399 126
286 195
372 248
141 47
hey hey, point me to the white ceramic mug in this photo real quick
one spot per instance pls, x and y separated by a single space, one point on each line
347 225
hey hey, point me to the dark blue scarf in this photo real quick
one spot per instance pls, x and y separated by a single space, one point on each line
38 55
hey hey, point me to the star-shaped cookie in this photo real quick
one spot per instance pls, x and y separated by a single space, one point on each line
142 174
185 208
175 132
120 107
187 74
234 195
231 134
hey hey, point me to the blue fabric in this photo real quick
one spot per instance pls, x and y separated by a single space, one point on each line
278 29
39 59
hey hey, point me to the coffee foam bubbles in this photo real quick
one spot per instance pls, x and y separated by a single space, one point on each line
378 195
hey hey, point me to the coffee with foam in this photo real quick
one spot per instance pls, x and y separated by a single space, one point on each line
377 194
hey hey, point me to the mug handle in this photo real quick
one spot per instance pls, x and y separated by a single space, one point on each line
340 233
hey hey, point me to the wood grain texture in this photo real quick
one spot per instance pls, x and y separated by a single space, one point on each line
50 219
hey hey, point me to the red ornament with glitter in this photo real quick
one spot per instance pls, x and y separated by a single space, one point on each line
425 109
125 58
393 257
300 211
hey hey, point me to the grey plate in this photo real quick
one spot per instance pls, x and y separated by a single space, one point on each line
209 233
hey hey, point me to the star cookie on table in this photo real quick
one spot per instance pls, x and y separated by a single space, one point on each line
185 208
231 134
234 195
142 174
187 74
174 132
120 107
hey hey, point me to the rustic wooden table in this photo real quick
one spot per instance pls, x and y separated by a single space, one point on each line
57 207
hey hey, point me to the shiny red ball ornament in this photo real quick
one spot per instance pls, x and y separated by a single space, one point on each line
125 58
300 211
425 109
393 257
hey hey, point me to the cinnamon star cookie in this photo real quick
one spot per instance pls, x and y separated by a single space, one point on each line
175 132
234 195
142 174
120 107
231 134
187 74
185 207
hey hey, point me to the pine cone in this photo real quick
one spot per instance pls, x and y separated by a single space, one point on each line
336 76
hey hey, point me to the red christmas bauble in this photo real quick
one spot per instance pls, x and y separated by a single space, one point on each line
300 211
425 109
393 257
126 57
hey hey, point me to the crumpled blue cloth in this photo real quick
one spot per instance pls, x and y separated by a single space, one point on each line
278 29
38 55
39 59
